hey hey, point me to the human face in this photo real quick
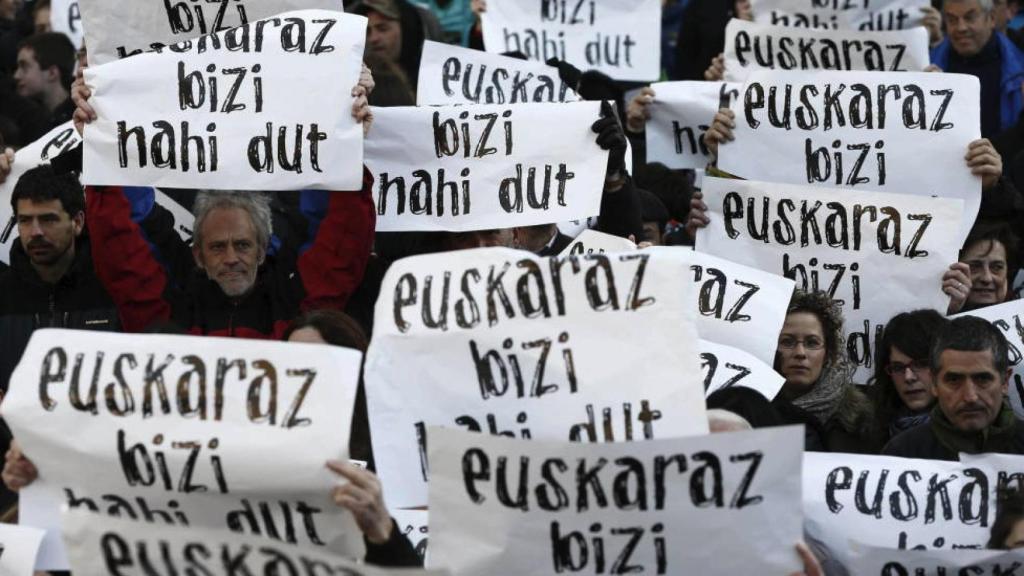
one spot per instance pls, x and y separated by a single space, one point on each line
384 36
913 383
9 9
802 363
499 237
309 335
652 233
969 390
968 25
230 254
46 231
42 20
30 79
987 260
1015 539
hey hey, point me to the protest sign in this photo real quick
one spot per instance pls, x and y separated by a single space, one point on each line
680 115
414 524
66 18
117 29
478 167
896 502
750 47
905 133
505 342
736 305
504 506
183 219
456 75
879 561
621 38
1007 469
18 548
875 15
182 430
725 367
265 106
56 141
574 228
101 545
1008 318
875 254
591 241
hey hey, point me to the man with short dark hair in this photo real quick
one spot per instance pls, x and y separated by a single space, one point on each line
396 31
46 68
971 374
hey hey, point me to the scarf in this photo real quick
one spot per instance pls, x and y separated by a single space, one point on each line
997 437
905 420
822 401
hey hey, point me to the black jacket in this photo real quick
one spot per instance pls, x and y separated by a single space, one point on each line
701 38
77 301
922 442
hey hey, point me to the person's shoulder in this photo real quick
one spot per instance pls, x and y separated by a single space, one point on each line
917 442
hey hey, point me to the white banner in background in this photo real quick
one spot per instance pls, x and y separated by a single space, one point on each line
736 305
500 506
1009 318
479 167
56 141
508 343
265 106
621 38
726 367
906 133
896 502
456 75
750 47
875 254
863 15
116 29
186 430
102 545
680 115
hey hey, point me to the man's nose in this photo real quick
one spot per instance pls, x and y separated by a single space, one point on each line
970 393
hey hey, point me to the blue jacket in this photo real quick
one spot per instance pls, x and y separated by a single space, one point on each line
1011 102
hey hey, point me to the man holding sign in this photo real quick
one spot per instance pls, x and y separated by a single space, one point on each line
230 284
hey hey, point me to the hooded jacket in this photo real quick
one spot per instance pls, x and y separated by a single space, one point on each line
1011 101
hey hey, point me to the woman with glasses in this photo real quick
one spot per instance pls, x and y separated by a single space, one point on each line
819 391
901 387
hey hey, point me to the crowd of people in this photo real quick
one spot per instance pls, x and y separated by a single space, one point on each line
307 266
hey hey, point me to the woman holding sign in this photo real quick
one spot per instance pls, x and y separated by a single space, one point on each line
819 391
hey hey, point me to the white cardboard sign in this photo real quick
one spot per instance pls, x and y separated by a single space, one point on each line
905 133
100 545
456 75
880 561
265 106
750 46
508 343
591 241
680 115
18 548
862 15
185 430
56 141
725 367
621 38
66 17
876 254
896 502
479 167
501 506
119 29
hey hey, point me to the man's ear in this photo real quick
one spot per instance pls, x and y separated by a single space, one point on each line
197 255
78 223
1006 381
52 73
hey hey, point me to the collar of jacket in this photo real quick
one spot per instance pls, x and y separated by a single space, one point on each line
81 265
995 436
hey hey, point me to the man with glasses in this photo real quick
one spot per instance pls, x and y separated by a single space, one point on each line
974 46
971 374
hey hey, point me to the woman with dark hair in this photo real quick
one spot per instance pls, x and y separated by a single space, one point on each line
901 386
990 252
1008 530
819 391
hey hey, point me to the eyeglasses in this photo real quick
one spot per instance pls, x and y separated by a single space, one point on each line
917 366
810 343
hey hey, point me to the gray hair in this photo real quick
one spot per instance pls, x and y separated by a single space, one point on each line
255 204
986 5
